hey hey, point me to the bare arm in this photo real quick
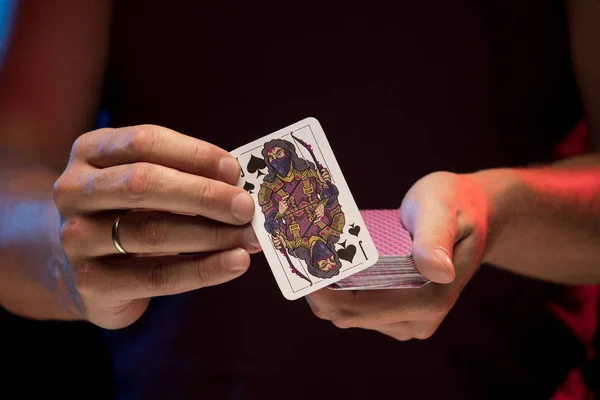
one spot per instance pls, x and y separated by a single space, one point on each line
545 222
539 222
49 89
59 197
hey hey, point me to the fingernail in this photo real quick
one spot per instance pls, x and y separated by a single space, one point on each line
242 207
235 260
448 272
250 238
229 170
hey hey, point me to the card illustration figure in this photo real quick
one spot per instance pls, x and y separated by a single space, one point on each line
306 219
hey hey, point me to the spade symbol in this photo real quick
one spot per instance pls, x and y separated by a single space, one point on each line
248 187
343 244
256 164
354 230
348 253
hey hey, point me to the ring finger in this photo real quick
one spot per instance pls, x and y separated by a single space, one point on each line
153 232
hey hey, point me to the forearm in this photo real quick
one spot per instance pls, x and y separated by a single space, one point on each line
31 258
545 222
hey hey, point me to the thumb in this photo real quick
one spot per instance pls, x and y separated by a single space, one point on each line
434 229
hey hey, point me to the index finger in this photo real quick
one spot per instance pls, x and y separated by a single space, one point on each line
153 144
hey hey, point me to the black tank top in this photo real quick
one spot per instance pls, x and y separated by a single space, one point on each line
406 88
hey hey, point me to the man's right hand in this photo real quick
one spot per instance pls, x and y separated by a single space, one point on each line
174 194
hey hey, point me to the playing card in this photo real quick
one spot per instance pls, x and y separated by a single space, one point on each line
306 220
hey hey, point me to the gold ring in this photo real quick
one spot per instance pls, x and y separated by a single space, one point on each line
115 236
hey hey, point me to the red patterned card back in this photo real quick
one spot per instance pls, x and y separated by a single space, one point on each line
388 233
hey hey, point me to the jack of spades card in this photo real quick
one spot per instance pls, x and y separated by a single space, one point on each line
306 219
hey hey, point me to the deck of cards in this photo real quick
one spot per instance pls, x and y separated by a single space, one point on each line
308 224
395 268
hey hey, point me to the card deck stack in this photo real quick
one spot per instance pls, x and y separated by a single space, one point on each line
395 268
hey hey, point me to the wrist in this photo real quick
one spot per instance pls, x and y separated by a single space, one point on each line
498 188
34 264
66 299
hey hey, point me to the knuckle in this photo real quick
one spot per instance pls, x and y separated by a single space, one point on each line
140 181
202 271
143 140
206 196
441 176
62 189
71 232
220 236
85 281
344 320
85 144
153 233
159 279
200 156
80 145
58 192
424 333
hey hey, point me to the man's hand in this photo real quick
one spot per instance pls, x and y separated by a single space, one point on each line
447 215
175 194
325 175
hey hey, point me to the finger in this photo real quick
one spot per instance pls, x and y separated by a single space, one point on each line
434 229
156 145
429 304
400 331
150 186
409 330
153 232
137 278
373 308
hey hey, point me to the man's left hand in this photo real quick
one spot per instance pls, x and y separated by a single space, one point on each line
447 216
